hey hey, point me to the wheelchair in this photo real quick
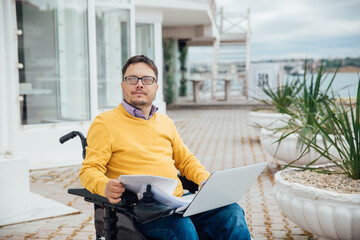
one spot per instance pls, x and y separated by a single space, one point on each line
117 221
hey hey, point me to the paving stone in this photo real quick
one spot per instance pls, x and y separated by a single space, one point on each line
88 228
84 235
35 238
14 236
259 236
61 237
68 230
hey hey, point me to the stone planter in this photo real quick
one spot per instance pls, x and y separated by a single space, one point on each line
287 151
326 214
262 119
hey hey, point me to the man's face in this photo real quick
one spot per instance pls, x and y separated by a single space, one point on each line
139 95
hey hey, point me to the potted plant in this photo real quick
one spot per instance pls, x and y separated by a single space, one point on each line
326 200
284 142
279 103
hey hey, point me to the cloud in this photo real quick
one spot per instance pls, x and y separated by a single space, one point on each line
287 28
321 47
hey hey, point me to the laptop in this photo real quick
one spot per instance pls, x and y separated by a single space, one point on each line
223 188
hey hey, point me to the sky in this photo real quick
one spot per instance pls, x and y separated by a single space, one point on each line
296 29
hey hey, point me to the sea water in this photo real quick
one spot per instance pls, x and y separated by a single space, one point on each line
344 84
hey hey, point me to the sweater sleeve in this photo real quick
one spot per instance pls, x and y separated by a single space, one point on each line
185 161
98 154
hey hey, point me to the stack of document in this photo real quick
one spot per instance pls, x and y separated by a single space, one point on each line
162 188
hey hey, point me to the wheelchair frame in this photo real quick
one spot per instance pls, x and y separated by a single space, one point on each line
125 206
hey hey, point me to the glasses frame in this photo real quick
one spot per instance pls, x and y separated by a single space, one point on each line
140 78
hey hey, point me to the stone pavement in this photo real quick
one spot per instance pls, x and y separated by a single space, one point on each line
221 139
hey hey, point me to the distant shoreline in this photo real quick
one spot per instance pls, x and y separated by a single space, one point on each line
345 69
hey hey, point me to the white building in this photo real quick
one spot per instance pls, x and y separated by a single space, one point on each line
60 66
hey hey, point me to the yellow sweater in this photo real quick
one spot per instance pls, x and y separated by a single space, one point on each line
120 144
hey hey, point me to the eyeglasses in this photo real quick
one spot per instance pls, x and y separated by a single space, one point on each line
134 80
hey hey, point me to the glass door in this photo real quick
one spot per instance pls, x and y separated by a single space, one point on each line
53 61
145 39
113 49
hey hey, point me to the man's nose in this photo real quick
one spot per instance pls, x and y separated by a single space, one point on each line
139 84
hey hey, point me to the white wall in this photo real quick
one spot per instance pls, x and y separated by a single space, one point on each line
4 134
9 104
41 145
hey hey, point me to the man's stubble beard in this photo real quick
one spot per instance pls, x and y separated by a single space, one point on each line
141 103
138 103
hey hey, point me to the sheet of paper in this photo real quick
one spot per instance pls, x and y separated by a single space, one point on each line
136 182
169 199
162 188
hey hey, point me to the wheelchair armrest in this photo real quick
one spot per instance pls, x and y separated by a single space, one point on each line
128 198
188 185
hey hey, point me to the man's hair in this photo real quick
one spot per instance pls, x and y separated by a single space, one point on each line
140 59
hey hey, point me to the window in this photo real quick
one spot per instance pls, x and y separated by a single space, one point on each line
112 42
145 39
53 57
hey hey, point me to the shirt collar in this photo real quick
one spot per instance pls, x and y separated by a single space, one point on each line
133 111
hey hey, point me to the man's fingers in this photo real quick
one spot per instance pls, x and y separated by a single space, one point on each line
114 195
116 189
114 201
115 183
115 186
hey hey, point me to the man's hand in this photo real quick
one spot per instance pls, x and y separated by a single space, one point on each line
114 190
202 184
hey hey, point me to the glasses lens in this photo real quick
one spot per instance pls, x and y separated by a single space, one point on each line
131 80
148 80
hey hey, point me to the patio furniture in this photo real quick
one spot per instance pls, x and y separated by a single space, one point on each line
196 88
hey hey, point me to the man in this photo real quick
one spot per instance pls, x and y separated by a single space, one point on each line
135 139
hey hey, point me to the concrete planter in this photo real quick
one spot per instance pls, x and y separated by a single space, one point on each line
260 119
326 214
288 151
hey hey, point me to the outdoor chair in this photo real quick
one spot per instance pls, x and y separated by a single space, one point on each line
116 221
